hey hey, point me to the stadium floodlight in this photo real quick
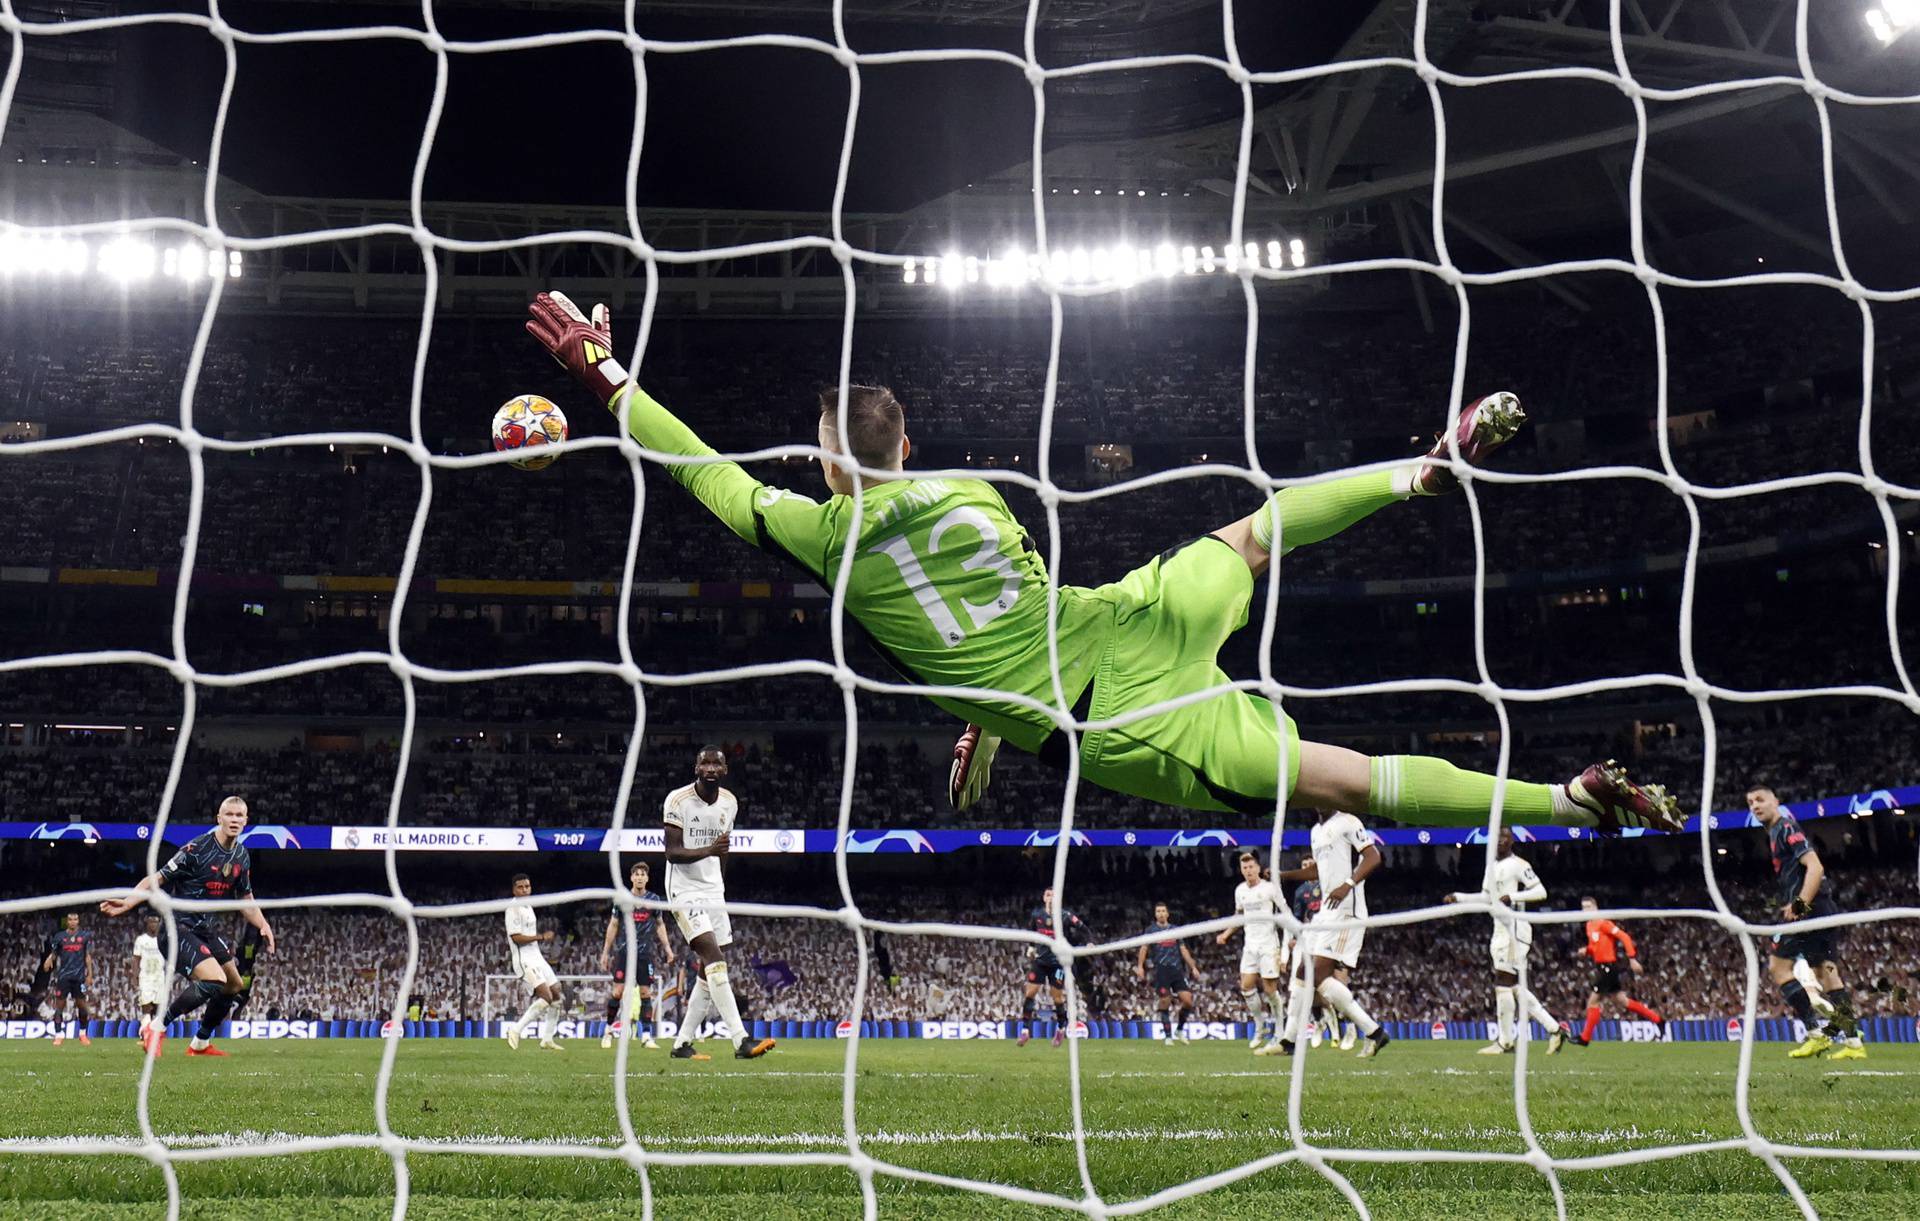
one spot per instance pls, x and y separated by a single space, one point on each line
126 259
1206 259
1166 259
1189 259
910 273
233 264
1078 264
973 269
1891 18
1298 249
1275 254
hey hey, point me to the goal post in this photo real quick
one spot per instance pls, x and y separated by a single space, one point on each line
503 998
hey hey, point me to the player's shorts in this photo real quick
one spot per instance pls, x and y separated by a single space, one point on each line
1509 952
1167 980
152 991
1606 981
1263 961
70 985
1816 946
643 971
1341 945
200 942
535 972
1171 617
701 920
1049 972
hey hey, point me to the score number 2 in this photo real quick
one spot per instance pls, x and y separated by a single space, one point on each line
986 557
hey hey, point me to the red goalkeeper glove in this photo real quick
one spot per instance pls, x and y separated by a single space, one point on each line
583 347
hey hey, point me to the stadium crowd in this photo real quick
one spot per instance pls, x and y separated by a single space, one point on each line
517 778
347 962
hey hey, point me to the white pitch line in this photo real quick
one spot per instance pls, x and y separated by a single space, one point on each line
969 1136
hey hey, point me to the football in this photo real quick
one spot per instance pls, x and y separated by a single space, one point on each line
531 423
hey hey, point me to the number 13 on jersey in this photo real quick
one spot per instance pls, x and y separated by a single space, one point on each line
985 559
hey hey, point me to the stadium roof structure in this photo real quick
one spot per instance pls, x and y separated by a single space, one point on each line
1536 171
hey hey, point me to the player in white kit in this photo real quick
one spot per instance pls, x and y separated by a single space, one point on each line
1257 899
524 940
150 969
1344 856
699 821
1512 883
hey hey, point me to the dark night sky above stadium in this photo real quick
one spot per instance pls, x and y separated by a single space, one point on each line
740 127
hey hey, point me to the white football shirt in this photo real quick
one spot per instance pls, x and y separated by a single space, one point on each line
700 825
520 919
1258 903
1338 842
1515 880
153 963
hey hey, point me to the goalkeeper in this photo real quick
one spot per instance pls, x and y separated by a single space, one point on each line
951 590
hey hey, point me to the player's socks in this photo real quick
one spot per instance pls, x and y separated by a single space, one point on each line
1028 1008
613 1011
1256 1009
1504 1006
1166 1024
1798 1001
1341 998
1180 1020
695 1015
646 1018
532 1015
1530 1006
1642 1011
1277 1006
722 989
211 1017
1593 1020
549 1023
194 995
1433 792
1314 511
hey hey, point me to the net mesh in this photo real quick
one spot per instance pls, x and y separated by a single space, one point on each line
857 1158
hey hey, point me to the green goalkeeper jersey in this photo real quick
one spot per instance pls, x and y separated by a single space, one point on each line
944 578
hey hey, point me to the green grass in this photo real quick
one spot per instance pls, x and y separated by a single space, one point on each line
1155 1117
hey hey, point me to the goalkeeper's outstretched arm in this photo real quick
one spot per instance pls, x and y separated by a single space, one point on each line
767 517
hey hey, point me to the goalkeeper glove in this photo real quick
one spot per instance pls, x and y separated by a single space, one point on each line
583 347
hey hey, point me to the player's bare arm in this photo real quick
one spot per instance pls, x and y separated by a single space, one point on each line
666 946
252 914
606 944
1193 968
134 898
1307 871
1369 861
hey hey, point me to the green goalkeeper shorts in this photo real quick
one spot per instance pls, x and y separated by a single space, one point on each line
1222 753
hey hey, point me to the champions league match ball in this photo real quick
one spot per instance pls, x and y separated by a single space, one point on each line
531 423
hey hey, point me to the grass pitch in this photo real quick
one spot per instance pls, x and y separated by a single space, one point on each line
1155 1117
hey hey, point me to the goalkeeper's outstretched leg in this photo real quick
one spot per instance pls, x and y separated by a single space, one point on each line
1224 753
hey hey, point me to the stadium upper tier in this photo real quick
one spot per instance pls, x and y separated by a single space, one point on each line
1755 396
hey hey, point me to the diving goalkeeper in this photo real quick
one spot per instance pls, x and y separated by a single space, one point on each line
952 591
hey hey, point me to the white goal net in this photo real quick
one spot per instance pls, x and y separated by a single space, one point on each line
869 1163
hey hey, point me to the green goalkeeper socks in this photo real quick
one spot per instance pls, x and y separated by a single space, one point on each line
1314 511
1432 792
